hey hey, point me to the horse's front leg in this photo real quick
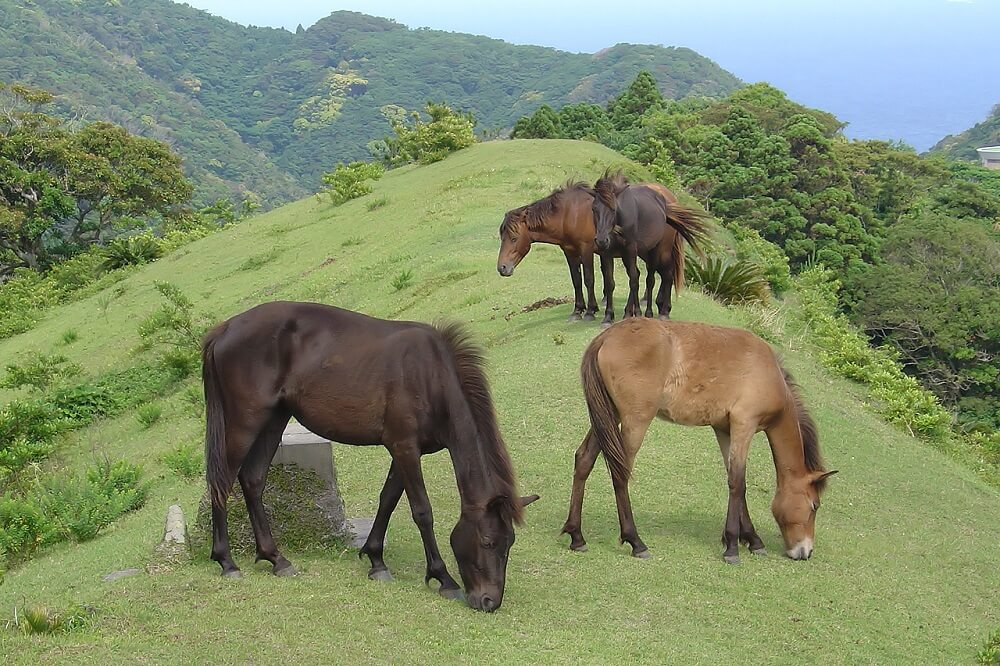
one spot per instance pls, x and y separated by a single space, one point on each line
406 459
736 467
608 272
650 283
375 543
629 259
663 304
588 281
579 306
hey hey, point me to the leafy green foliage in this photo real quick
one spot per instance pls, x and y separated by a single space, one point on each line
39 372
403 280
963 146
42 620
178 328
186 461
132 250
148 414
989 655
728 281
350 181
427 141
752 248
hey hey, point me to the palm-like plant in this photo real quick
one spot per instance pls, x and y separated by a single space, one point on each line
728 281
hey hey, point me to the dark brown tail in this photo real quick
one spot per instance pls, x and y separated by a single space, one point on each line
603 415
691 225
217 472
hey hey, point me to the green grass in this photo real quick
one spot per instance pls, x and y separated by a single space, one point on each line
906 538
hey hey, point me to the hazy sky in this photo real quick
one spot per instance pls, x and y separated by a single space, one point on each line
916 69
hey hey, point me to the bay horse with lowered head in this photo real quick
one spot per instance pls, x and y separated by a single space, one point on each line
645 221
566 218
358 380
696 374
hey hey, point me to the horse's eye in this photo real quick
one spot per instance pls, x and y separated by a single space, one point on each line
487 543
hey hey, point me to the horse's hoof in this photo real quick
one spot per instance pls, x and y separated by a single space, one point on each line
453 594
286 571
606 324
574 317
641 554
580 547
665 317
382 575
589 316
731 559
760 552
232 573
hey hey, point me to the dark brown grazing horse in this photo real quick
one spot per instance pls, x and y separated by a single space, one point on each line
410 387
696 374
654 227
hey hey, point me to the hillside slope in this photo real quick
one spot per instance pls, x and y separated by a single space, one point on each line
906 537
268 110
963 146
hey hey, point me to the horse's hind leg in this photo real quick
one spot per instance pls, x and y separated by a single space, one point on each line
374 544
650 283
588 281
748 533
663 305
239 439
586 455
253 476
634 429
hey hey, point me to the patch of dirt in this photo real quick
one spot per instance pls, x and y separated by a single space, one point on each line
547 302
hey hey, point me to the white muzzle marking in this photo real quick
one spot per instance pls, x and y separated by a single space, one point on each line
802 550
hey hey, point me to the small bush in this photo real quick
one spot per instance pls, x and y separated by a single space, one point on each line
989 655
39 372
80 507
377 203
134 250
350 181
193 397
69 336
27 432
403 280
148 414
736 282
41 620
24 528
752 247
186 461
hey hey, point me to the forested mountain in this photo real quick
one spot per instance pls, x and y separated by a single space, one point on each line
265 111
963 146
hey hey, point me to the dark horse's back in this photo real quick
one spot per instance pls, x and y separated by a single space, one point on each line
335 370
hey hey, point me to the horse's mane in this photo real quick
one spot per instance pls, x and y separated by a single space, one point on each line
609 186
535 214
807 427
469 365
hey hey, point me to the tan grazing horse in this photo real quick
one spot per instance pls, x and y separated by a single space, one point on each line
696 374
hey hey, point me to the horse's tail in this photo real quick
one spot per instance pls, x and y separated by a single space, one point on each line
807 429
217 472
469 363
691 226
603 414
678 257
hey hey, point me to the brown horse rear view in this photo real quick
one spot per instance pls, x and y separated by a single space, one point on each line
695 374
410 387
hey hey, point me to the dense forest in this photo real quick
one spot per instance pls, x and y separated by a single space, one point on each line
914 242
963 146
261 112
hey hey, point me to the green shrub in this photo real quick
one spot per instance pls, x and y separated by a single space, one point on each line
39 372
377 203
27 434
148 414
728 282
428 141
186 461
133 250
24 528
989 655
79 508
350 181
41 620
403 280
752 247
84 403
69 336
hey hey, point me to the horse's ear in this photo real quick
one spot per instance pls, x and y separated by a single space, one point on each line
526 500
819 479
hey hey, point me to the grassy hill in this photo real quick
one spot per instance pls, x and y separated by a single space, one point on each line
906 538
266 110
963 145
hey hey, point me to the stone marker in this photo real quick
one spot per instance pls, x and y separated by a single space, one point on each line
124 573
301 500
175 546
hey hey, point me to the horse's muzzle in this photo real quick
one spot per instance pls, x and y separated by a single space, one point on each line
505 270
483 602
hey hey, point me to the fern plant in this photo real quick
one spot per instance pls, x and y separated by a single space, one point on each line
728 282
